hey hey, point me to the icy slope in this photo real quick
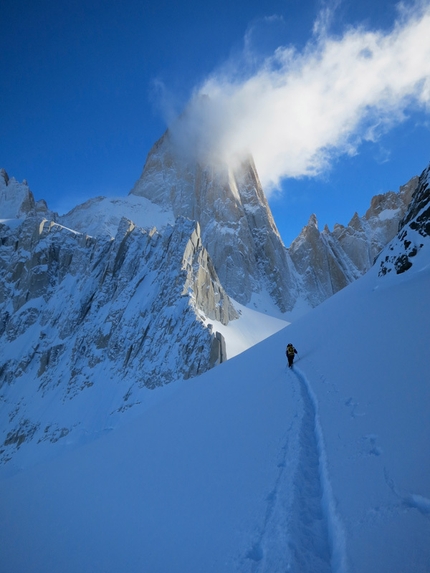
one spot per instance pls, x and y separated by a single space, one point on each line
252 467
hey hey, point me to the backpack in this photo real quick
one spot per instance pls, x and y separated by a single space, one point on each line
290 350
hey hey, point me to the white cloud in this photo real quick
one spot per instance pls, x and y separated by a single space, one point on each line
299 110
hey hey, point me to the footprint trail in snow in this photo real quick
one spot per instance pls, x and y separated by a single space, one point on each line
317 538
301 532
309 545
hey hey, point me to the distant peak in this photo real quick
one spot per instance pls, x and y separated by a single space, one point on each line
4 175
313 221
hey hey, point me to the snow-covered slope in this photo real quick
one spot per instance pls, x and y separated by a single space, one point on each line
253 467
101 216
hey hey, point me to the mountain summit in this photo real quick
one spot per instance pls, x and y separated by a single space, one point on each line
237 226
240 234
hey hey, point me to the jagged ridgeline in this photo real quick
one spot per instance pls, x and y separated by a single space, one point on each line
88 322
97 306
241 236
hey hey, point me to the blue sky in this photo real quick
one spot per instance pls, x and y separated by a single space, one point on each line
86 88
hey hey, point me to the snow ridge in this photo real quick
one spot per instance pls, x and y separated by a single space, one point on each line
319 538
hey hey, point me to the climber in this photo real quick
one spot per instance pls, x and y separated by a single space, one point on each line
290 352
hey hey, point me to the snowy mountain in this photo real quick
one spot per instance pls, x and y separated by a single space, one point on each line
414 229
328 261
100 293
241 236
91 321
252 467
16 200
237 225
365 237
73 305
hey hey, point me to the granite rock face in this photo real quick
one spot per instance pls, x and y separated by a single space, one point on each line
236 223
328 261
78 286
364 238
241 236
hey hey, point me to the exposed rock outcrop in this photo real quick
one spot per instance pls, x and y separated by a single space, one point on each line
364 238
414 231
320 262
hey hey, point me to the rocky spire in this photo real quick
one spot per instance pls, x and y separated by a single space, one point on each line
237 226
16 199
4 176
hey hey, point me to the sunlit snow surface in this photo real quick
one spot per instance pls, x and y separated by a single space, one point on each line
251 327
101 215
253 467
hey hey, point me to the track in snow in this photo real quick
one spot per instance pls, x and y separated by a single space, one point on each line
310 542
301 532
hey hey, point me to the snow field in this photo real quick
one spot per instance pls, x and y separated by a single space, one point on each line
101 216
252 467
179 489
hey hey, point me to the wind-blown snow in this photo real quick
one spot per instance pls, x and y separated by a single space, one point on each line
253 467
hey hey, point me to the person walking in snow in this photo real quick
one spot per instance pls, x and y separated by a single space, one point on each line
290 352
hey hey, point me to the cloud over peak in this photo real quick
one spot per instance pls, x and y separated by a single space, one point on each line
297 110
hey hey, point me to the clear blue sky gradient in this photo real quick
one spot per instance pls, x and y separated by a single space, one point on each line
79 111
